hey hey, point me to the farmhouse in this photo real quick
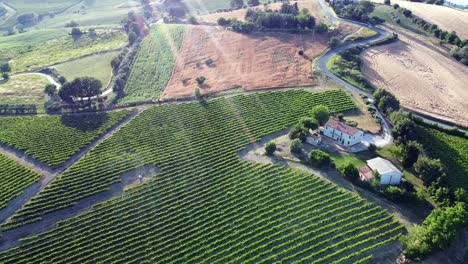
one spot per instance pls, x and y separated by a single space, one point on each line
389 174
314 138
343 134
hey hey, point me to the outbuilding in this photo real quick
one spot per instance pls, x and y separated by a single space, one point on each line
388 173
342 133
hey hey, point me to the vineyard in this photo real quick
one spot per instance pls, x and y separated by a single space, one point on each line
451 150
153 66
13 179
54 139
206 205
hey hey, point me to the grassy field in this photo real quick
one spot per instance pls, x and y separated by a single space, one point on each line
13 179
391 15
207 6
94 13
97 66
53 139
206 205
24 89
451 150
154 63
342 68
363 33
39 55
39 7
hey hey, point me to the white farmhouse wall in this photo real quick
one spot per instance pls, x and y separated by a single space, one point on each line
343 138
392 178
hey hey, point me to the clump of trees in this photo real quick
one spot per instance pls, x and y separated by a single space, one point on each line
121 65
82 87
309 123
28 19
385 101
289 17
296 146
299 132
134 26
359 12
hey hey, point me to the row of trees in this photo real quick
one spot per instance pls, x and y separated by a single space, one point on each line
82 87
289 17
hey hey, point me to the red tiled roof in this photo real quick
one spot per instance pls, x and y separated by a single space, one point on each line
366 173
349 130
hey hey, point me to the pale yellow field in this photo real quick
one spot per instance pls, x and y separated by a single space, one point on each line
421 77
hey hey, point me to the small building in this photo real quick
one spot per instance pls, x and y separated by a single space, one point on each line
314 138
343 134
366 174
388 173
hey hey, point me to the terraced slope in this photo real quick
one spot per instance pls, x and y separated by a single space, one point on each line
54 139
206 205
13 179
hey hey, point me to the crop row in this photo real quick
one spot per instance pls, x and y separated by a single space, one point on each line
54 139
13 179
153 65
206 205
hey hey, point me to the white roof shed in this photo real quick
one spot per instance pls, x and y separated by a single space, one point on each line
389 174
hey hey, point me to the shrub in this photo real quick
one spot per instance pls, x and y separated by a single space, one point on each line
372 147
270 148
200 80
340 116
387 2
192 20
197 93
321 28
5 76
4 67
350 172
224 22
396 6
351 123
209 62
334 42
319 158
429 169
296 146
299 132
394 193
309 122
321 113
301 53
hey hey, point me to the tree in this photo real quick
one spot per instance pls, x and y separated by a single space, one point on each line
50 89
296 146
224 22
4 67
298 132
350 172
28 19
76 33
319 158
429 169
321 28
308 122
197 93
237 3
321 113
5 76
305 20
192 20
386 101
387 2
403 127
270 148
334 42
82 87
200 80
396 6
253 2
372 148
209 62
132 37
407 13
411 152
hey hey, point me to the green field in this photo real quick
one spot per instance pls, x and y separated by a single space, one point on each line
54 139
154 63
13 179
451 150
391 15
207 6
92 13
97 66
206 205
24 89
38 55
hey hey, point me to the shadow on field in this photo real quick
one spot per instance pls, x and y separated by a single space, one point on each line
85 122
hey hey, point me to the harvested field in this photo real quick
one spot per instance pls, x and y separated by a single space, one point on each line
237 14
421 77
254 61
445 17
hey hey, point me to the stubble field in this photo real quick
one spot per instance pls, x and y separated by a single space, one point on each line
420 76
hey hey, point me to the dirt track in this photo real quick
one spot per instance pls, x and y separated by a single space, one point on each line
253 61
421 76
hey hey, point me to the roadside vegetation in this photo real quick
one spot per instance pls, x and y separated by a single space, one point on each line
54 139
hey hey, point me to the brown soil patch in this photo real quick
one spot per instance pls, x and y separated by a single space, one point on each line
257 60
422 77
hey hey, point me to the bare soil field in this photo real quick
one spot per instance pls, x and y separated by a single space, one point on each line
421 76
445 17
255 61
